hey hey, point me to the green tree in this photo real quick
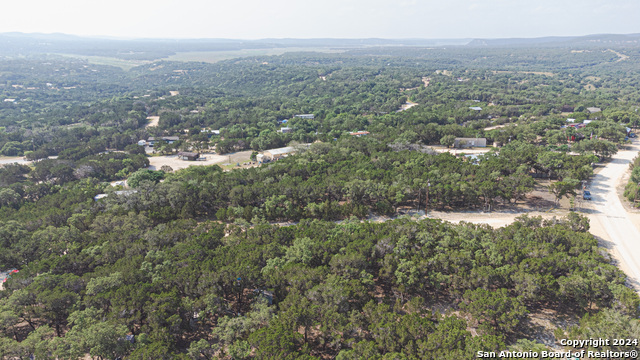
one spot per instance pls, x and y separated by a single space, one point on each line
495 311
144 175
563 188
447 140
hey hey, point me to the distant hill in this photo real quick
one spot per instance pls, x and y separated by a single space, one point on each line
604 40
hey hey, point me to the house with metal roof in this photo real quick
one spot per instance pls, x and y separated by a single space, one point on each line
469 142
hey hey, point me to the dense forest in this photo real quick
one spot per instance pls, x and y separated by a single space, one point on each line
278 261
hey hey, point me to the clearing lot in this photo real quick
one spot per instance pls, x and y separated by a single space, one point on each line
156 162
153 121
406 106
13 159
468 151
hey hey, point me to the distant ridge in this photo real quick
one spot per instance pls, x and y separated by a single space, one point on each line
15 44
12 44
561 41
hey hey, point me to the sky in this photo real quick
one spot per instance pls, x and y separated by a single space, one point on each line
258 19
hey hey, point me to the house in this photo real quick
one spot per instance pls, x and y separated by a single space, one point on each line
593 109
9 100
476 108
305 116
168 139
142 143
286 130
190 156
210 132
359 133
279 153
469 142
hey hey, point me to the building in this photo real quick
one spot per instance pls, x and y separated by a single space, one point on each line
469 142
168 139
476 108
279 153
189 156
142 143
359 133
305 116
593 109
286 130
99 196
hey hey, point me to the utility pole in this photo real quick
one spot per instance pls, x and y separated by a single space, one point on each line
426 206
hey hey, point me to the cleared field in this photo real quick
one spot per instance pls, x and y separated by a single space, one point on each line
203 56
103 60
215 56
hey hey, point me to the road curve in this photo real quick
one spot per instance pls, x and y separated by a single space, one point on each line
610 221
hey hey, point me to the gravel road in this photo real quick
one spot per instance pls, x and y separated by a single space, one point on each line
616 229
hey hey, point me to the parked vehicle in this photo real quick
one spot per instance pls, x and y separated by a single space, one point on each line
586 195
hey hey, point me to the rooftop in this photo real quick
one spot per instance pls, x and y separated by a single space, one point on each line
284 150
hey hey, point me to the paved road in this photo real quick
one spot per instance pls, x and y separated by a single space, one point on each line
617 229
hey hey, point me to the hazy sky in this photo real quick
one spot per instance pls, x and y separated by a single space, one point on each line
254 19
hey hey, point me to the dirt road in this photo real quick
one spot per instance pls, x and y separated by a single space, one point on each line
616 229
